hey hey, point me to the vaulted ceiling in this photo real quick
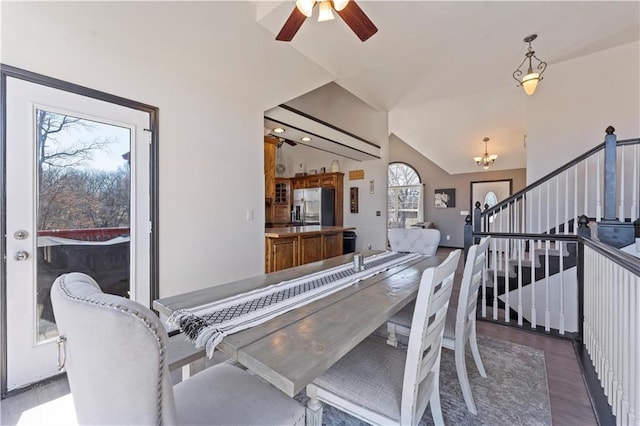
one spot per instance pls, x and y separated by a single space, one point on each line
443 69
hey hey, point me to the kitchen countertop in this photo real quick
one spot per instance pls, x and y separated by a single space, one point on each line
293 231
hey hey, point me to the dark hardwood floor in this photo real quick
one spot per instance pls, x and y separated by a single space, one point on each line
570 404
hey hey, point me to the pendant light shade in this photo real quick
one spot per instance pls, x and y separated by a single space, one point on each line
305 7
338 5
325 13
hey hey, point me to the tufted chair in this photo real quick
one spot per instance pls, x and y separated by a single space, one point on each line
384 385
115 355
414 240
460 327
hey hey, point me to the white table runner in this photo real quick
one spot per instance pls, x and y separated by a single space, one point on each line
208 324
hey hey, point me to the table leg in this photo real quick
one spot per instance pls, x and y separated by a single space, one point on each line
314 407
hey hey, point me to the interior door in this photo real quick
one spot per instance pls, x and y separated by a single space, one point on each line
77 199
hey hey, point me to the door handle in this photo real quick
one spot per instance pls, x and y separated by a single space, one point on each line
21 255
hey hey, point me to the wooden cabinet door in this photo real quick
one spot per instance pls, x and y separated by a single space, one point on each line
282 253
310 248
269 169
328 181
313 182
299 183
281 214
332 245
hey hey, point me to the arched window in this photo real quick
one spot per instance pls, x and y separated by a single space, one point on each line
405 206
491 199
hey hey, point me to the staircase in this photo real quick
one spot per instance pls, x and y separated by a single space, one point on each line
531 268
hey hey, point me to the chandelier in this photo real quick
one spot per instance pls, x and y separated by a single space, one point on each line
530 80
486 160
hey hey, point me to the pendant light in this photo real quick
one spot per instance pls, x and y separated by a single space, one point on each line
533 76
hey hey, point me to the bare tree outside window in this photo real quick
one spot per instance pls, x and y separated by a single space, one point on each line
77 188
404 197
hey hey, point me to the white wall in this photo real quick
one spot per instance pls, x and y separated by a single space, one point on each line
576 102
333 104
212 71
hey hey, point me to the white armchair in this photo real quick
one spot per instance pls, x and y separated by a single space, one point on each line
414 240
116 361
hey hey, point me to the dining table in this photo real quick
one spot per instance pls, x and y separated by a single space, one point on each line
292 349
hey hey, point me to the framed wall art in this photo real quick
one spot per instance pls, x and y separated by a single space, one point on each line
445 198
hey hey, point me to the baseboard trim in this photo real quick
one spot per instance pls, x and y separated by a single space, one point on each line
601 408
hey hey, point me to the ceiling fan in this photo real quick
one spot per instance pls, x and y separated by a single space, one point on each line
348 10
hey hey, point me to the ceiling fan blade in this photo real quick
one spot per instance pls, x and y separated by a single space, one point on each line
291 27
356 19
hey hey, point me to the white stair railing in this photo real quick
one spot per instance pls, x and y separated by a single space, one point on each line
612 327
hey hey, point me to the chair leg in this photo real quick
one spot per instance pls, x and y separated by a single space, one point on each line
392 338
434 403
314 408
461 369
474 350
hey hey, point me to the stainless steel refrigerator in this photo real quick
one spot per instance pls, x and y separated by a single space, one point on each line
313 206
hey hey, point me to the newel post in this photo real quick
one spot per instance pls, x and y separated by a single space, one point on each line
477 218
468 234
583 226
612 231
610 183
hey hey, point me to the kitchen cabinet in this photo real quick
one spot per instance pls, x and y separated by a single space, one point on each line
282 201
281 253
269 169
298 245
310 248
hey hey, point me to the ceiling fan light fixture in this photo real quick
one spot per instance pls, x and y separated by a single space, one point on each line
325 13
305 7
338 5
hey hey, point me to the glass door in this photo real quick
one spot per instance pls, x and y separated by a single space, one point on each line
77 200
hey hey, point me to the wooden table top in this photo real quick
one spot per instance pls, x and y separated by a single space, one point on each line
292 349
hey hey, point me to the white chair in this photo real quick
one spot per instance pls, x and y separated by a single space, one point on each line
414 240
384 385
116 360
461 322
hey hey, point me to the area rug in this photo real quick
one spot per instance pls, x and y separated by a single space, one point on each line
515 391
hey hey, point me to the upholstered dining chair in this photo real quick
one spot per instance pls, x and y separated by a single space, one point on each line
115 355
384 385
414 240
460 327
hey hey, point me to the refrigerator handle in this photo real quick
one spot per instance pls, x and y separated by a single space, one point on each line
304 213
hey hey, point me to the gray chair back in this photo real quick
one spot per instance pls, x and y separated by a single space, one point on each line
115 352
414 240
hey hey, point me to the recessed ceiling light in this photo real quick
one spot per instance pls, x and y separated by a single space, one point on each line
278 130
305 139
